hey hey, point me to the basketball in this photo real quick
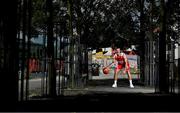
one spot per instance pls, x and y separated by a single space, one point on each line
106 70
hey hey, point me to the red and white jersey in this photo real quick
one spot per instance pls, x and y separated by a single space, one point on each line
120 58
120 61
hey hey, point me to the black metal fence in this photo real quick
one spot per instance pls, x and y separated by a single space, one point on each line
152 64
34 63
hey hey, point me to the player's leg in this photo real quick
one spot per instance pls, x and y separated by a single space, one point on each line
116 72
130 79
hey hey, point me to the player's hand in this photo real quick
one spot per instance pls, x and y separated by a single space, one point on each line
124 71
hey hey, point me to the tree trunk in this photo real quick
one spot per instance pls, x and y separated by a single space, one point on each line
71 49
50 51
163 76
142 40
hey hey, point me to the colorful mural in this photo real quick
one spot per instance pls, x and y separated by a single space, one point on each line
105 57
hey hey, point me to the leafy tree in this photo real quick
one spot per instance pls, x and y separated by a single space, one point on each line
39 16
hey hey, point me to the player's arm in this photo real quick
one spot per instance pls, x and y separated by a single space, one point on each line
114 61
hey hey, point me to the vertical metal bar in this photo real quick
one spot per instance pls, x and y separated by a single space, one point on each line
157 65
42 84
46 70
68 63
61 64
45 53
78 74
68 67
173 63
77 58
43 60
23 48
151 63
148 62
59 73
60 67
74 59
18 42
58 54
29 37
146 75
76 65
64 82
169 67
154 64
178 67
81 64
87 65
57 59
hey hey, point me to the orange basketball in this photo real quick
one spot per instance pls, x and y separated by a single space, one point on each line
106 70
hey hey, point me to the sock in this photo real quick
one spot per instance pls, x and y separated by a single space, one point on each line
115 81
130 82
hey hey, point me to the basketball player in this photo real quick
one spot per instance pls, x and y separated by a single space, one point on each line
120 60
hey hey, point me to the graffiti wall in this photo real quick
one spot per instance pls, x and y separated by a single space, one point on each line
105 58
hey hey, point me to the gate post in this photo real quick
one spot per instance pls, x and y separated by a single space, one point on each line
8 53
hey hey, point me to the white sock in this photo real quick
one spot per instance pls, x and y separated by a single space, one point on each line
130 82
115 81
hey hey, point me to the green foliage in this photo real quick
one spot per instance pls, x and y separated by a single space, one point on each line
99 22
39 17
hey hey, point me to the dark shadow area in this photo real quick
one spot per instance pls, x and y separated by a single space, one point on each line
103 102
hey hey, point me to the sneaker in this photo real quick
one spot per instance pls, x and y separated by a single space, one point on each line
131 86
114 85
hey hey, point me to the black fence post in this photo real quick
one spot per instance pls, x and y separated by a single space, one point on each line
8 54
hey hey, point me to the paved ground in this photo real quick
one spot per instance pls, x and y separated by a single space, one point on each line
99 101
104 86
98 95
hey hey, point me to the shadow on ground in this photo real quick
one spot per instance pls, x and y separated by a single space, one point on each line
103 102
94 101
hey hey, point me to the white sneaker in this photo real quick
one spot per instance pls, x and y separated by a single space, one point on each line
131 86
114 85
